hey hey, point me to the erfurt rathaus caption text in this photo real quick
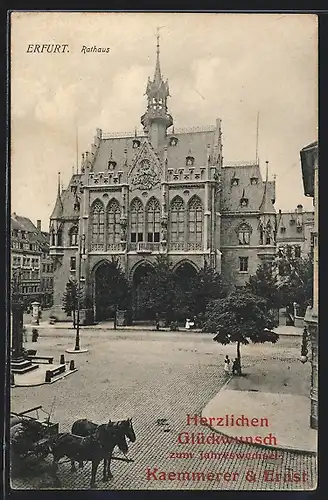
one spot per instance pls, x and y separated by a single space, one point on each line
219 436
63 48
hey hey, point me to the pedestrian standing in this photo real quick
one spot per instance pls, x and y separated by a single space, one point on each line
25 333
236 369
227 364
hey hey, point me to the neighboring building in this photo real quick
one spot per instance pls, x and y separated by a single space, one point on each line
47 271
295 231
310 172
160 191
29 253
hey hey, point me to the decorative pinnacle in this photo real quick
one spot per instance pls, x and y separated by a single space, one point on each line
157 75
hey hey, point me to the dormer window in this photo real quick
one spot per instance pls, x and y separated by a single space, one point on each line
173 141
190 160
234 181
111 163
254 180
76 204
283 229
243 200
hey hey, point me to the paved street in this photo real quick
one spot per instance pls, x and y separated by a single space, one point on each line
150 376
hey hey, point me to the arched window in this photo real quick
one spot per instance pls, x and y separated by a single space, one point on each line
59 238
268 234
153 212
52 238
244 234
137 220
97 226
73 234
195 223
177 220
113 222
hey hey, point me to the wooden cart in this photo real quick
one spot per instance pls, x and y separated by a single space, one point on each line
31 435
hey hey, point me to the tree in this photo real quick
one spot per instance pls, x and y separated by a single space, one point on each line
113 290
242 318
295 279
264 284
206 286
161 292
70 299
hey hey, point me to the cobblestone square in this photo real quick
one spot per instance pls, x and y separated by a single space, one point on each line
158 378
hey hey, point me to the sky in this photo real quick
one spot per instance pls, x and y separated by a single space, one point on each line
228 66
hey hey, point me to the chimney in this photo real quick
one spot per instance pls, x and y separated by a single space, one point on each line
38 225
299 209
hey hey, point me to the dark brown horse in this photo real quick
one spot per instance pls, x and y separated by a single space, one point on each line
90 448
120 431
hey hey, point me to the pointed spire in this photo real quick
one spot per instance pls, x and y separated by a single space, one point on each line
157 74
58 210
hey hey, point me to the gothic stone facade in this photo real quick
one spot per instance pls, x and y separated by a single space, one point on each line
161 191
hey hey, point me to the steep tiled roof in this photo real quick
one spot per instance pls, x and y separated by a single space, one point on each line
24 223
69 197
120 150
58 209
193 144
231 195
34 235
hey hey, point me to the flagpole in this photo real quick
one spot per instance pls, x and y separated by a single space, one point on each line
257 136
77 149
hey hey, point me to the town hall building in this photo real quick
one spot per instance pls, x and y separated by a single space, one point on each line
160 191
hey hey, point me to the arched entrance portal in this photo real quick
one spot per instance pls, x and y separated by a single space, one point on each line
111 290
186 273
139 309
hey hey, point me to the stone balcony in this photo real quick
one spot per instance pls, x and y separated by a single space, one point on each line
145 247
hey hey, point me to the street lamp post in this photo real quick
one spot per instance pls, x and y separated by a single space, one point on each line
81 254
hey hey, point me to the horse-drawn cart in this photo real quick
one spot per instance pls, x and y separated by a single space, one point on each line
31 436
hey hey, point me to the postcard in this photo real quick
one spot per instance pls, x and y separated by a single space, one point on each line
164 251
